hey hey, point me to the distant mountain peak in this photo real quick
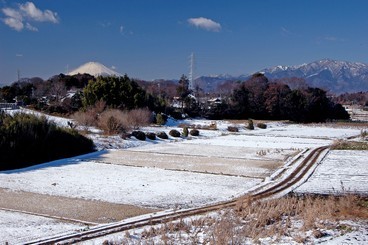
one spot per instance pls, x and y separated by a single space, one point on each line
95 69
333 75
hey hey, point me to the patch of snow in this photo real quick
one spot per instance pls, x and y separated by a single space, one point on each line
94 69
342 171
127 185
19 228
60 121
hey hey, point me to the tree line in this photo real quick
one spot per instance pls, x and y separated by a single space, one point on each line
256 98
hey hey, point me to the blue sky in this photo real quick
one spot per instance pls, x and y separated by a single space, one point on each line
151 39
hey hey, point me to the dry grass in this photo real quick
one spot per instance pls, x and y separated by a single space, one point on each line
350 145
112 121
251 221
211 126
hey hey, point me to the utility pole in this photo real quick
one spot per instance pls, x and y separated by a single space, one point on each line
191 72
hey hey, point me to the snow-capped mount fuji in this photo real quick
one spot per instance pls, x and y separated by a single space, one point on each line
95 69
332 75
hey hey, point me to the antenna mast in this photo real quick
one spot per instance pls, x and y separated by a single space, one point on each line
191 72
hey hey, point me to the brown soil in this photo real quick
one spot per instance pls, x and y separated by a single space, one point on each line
68 208
203 164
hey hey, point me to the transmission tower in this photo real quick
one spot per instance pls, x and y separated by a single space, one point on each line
18 73
191 72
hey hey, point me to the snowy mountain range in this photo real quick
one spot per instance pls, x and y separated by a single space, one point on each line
331 75
95 69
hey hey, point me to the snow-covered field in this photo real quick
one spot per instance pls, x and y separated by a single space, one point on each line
19 228
342 171
151 187
94 177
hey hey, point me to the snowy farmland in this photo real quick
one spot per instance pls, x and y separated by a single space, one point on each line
342 171
19 228
178 172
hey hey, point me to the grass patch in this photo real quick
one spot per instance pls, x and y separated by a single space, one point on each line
301 218
350 145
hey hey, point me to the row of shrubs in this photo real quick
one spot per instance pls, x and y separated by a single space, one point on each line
113 121
250 126
26 140
140 135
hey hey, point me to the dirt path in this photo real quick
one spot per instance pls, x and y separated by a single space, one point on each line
69 208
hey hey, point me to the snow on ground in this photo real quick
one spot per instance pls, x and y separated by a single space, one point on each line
60 121
264 142
276 136
84 178
18 228
311 131
342 171
272 137
211 149
128 185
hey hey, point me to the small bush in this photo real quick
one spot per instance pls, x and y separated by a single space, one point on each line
112 121
89 117
125 135
250 125
85 118
262 125
139 118
151 136
232 129
162 135
174 133
213 126
139 135
194 132
185 132
161 119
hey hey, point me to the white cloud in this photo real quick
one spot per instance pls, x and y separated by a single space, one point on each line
105 24
204 23
15 18
14 23
29 9
121 29
285 31
30 27
12 13
19 55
